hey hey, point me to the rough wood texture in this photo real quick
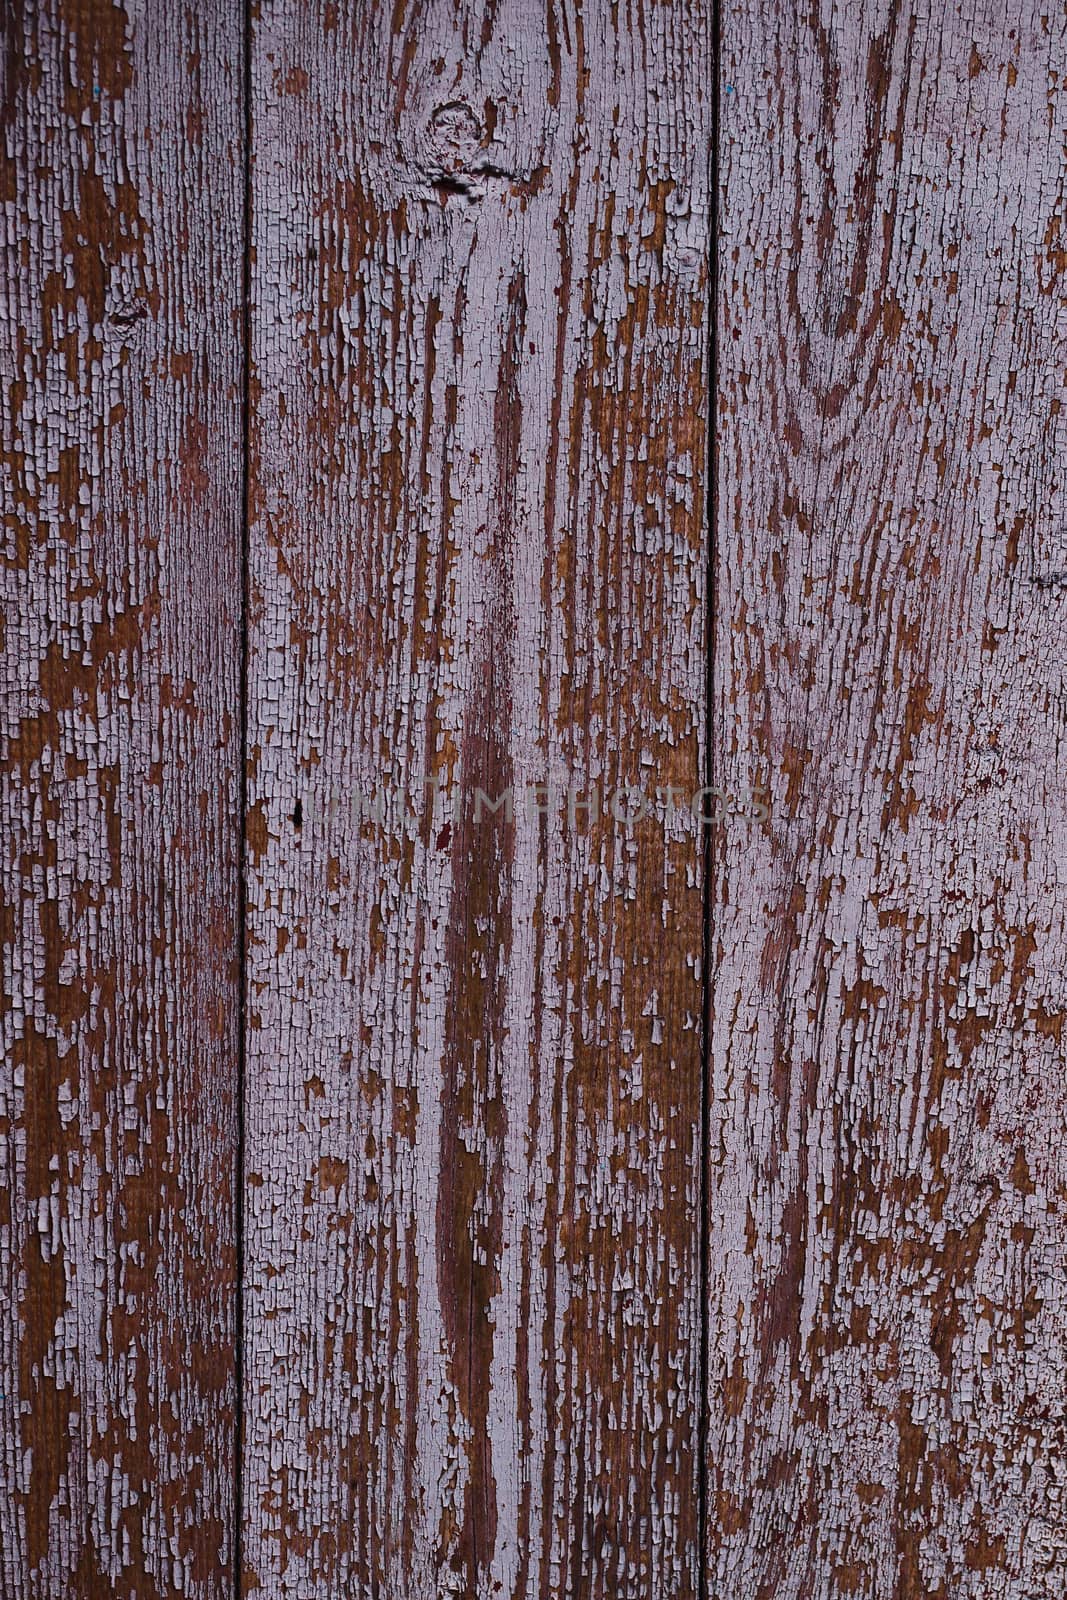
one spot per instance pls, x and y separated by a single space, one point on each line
120 746
888 1341
478 556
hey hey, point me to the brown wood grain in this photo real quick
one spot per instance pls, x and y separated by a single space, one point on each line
476 1316
121 455
479 551
887 1172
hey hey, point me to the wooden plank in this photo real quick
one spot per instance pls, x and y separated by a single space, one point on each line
478 556
888 1332
121 450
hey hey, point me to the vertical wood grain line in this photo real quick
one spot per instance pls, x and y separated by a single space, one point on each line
708 835
242 790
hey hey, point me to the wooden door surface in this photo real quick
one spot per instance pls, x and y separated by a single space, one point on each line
533 792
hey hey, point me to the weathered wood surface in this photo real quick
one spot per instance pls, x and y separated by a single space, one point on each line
888 1285
478 556
473 1292
121 452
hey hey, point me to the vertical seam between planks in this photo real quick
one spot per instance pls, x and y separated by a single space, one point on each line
242 792
708 833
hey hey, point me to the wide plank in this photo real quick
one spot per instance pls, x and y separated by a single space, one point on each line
887 1201
120 443
478 561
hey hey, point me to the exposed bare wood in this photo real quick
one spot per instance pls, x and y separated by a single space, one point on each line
479 552
120 742
478 557
889 1270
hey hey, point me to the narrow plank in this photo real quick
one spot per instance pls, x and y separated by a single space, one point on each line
478 557
121 451
888 1335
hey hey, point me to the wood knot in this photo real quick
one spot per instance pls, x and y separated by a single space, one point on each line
453 147
456 159
454 136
